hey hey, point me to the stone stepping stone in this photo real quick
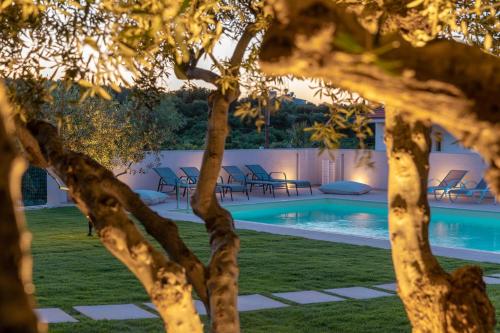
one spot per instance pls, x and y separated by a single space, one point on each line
257 302
200 308
54 315
114 312
491 280
358 292
497 275
308 297
388 286
245 303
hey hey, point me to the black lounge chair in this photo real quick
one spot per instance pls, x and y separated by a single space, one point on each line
260 173
169 178
193 173
236 175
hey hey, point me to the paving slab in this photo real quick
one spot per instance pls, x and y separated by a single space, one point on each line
497 275
358 292
54 315
200 308
308 297
491 280
245 303
114 312
388 286
257 302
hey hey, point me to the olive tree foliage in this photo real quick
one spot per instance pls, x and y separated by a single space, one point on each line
115 133
427 61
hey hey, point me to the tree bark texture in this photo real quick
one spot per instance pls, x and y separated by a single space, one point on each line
16 286
452 84
164 280
164 230
444 82
223 270
435 301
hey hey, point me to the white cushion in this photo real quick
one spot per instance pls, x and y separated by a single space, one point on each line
151 197
345 187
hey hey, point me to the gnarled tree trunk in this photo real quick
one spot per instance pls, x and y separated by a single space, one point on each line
16 286
165 281
223 271
454 85
448 83
435 301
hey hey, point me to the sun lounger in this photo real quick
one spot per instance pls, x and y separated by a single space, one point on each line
479 191
452 181
236 175
169 178
193 174
260 173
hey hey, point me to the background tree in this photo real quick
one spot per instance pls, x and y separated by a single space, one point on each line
388 52
115 133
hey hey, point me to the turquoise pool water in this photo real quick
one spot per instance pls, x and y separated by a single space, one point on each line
454 228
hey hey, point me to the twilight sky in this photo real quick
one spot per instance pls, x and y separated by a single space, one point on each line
223 50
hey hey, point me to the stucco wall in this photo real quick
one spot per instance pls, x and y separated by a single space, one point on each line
297 163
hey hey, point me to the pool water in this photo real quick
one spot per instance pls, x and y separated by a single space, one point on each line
455 228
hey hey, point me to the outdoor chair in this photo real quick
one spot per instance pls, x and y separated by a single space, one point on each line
260 173
236 175
169 178
452 180
193 174
480 191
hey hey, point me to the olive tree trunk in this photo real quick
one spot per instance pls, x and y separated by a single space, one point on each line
452 84
164 280
444 82
223 270
16 286
435 301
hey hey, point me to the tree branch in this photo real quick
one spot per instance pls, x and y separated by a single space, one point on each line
197 73
16 286
316 38
242 45
163 280
223 271
164 230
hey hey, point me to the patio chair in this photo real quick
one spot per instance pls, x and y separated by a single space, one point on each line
452 180
261 174
193 173
238 176
169 178
480 191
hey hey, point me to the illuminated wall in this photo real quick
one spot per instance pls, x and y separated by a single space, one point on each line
297 163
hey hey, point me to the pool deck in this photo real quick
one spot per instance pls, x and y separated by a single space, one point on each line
171 210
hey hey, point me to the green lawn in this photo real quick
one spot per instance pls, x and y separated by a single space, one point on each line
73 269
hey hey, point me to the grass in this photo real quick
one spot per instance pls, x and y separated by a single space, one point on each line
73 269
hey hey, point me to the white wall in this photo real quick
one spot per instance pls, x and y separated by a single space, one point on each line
297 163
55 196
306 164
379 136
294 162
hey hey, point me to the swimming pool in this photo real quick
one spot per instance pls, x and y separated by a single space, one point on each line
453 228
